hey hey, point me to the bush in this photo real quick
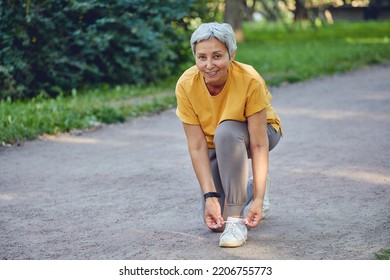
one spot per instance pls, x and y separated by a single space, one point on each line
50 47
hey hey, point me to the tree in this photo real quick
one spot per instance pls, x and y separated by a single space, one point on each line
271 10
234 15
300 12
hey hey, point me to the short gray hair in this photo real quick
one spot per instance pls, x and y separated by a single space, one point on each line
221 31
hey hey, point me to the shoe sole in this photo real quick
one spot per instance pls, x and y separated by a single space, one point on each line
231 244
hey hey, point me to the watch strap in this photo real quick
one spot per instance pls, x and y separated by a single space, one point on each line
211 194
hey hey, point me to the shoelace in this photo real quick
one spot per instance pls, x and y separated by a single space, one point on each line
235 230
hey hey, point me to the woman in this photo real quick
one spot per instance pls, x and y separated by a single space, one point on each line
225 109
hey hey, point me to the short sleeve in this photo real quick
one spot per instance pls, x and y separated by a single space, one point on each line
184 111
258 98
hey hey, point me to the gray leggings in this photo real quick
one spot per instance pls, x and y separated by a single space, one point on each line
230 164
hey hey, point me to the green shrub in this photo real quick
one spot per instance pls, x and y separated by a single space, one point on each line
52 47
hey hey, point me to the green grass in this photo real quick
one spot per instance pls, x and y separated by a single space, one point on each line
280 54
289 55
26 120
383 254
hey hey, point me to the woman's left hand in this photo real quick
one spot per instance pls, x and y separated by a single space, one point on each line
255 214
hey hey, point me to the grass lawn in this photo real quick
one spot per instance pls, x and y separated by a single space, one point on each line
383 254
281 55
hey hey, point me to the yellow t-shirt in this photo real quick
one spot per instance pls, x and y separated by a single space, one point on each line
243 95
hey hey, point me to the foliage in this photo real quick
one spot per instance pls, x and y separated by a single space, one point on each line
52 47
280 57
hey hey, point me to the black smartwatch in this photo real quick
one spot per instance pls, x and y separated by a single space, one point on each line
211 194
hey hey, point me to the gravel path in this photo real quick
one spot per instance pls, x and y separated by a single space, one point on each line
127 191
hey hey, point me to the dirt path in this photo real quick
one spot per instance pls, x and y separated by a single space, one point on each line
127 191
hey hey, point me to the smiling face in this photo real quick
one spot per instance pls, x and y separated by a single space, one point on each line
212 59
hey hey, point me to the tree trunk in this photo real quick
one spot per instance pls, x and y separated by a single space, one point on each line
234 16
249 9
300 12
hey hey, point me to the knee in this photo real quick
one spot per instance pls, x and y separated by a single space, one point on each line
273 137
230 133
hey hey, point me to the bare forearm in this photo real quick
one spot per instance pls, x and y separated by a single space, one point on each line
199 153
198 149
202 168
259 170
257 126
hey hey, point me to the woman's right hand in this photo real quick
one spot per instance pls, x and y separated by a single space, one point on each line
213 217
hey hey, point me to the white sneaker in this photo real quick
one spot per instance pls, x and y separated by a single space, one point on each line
235 233
266 203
